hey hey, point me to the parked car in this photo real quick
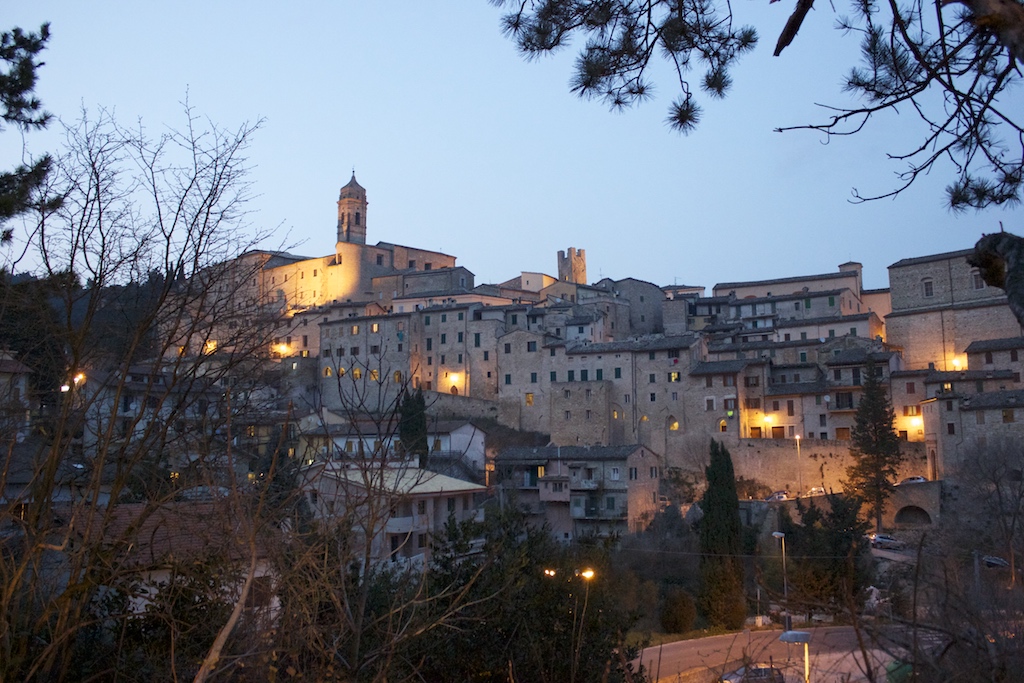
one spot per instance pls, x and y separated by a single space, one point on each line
777 496
885 542
912 480
816 491
756 673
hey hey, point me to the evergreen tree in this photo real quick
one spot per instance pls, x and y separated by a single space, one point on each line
721 595
876 447
19 188
412 425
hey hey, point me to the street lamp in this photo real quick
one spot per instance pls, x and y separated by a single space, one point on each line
799 471
787 620
800 637
587 575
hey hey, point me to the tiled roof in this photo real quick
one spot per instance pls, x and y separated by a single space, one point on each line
996 345
548 453
718 367
786 280
994 399
963 253
684 341
406 481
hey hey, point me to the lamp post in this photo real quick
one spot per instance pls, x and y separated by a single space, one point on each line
787 620
587 575
799 470
800 637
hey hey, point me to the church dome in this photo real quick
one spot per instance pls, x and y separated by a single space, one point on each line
353 190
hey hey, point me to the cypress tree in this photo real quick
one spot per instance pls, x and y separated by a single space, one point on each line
412 425
721 596
876 447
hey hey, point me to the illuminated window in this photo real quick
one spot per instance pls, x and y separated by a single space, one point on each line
357 373
327 371
355 329
529 399
374 375
375 327
398 377
673 425
210 346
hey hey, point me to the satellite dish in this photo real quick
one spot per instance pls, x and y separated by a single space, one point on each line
821 339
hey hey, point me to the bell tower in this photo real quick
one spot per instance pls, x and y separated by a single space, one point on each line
352 213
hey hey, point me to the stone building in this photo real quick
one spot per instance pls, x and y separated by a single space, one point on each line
940 305
582 491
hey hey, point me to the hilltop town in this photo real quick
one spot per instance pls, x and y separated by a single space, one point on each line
587 407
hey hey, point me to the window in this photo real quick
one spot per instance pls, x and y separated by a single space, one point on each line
444 338
568 415
357 373
461 316
831 301
844 400
374 375
728 380
752 403
911 411
928 287
950 428
430 360
554 376
588 415
633 474
599 374
775 406
1013 355
842 433
355 329
709 404
444 317
571 376
675 395
1008 415
459 339
988 358
610 502
508 348
508 379
790 408
980 417
978 280
730 404
837 375
430 344
451 504
822 420
487 355
751 381
856 377
615 474
583 376
515 319
476 340
911 388
949 406
397 377
709 381
654 398
533 378
531 346
651 379
426 318
375 349
566 393
618 373
354 351
803 356
529 399
755 432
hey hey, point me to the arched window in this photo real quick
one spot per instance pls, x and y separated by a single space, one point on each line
341 372
455 390
357 218
357 373
672 423
723 426
327 371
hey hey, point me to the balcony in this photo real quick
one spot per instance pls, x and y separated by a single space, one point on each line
585 484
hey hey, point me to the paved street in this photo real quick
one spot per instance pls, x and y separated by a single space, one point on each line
831 655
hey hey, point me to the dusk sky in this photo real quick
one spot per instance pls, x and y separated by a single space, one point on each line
465 147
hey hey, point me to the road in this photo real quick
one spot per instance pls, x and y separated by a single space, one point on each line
831 655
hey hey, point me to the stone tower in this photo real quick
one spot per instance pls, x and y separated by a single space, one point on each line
573 268
352 213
